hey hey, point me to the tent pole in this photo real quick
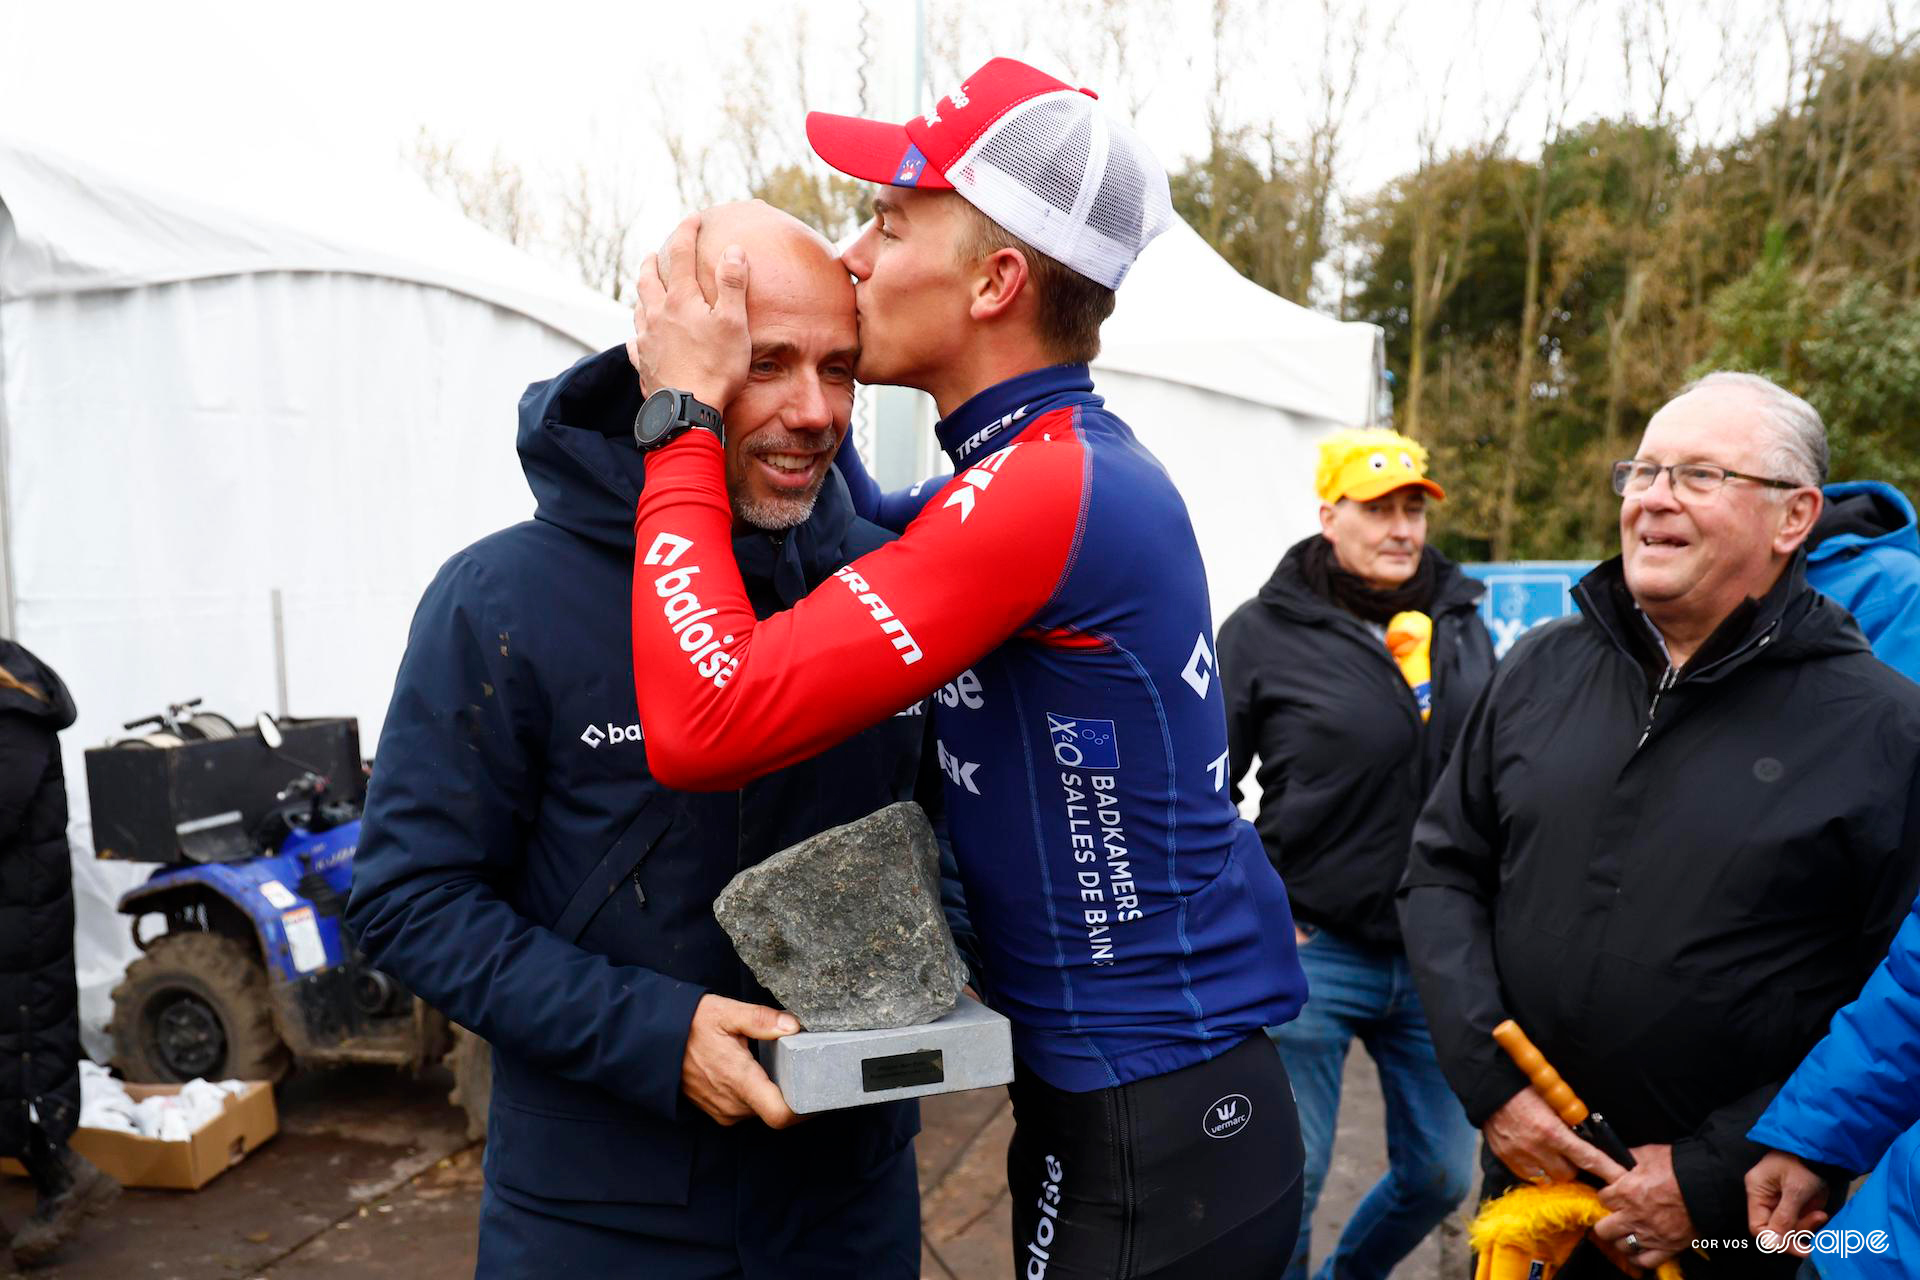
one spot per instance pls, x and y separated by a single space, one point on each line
279 656
7 602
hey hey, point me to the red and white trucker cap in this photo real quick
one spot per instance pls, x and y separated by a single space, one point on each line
1031 152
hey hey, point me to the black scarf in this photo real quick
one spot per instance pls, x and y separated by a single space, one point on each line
1323 573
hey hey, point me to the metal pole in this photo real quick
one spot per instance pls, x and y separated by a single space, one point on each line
7 599
279 657
919 55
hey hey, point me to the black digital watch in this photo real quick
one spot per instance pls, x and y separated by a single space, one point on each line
668 414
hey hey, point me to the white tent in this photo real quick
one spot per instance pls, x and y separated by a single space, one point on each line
1232 387
239 376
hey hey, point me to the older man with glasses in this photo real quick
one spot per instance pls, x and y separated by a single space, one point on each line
1675 837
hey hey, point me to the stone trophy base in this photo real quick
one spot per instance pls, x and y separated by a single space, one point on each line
971 1047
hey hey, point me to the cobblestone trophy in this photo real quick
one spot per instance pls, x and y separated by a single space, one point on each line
845 930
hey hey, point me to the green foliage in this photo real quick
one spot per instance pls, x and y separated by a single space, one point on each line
1793 252
1261 217
1863 374
1760 319
1856 360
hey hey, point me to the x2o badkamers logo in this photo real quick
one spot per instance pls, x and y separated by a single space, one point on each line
1080 743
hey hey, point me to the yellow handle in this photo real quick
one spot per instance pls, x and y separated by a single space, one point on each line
1559 1094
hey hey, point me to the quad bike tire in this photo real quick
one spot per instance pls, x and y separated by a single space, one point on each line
472 1062
207 726
196 1004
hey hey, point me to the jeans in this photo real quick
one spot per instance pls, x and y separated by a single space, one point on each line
1354 991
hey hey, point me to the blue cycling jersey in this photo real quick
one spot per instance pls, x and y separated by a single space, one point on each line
1052 600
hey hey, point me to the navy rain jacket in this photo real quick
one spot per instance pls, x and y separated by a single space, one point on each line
521 871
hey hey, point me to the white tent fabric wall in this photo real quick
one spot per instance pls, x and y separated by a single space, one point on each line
184 436
1245 471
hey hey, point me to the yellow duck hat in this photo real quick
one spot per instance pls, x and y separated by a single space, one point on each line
1532 1231
1364 462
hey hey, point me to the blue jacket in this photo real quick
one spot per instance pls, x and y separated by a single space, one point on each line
1865 553
1855 1102
521 871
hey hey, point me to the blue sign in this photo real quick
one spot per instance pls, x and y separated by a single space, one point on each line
1522 594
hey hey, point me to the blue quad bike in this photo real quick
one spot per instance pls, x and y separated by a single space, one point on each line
251 973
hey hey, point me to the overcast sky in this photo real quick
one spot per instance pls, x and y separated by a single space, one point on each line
559 84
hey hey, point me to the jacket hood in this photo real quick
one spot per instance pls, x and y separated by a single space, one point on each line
1861 514
1796 621
576 447
1287 589
57 711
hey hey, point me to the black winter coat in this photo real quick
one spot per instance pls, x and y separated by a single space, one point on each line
1345 762
1672 890
521 870
39 1004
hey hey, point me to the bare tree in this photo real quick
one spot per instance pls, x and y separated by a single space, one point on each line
1440 228
1116 46
496 195
692 166
597 230
1561 67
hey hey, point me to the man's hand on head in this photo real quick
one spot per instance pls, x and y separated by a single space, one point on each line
680 339
719 1073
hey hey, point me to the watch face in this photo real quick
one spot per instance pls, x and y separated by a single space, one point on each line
656 416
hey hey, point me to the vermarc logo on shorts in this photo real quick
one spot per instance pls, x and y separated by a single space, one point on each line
1228 1116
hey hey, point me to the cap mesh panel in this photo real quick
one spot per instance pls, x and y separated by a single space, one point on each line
1030 168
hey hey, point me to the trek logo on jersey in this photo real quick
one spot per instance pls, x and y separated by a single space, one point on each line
684 613
890 626
1228 1116
1083 744
615 734
960 771
1198 673
974 480
988 432
962 691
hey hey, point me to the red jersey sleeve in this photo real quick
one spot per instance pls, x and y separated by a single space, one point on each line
725 697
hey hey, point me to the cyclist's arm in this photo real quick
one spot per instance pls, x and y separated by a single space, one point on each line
894 510
725 698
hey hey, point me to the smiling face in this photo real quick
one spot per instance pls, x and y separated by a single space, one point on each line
1702 554
1380 541
787 422
913 294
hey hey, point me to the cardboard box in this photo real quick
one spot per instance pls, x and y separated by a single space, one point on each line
248 1121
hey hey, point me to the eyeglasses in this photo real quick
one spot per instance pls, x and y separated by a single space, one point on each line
1702 478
